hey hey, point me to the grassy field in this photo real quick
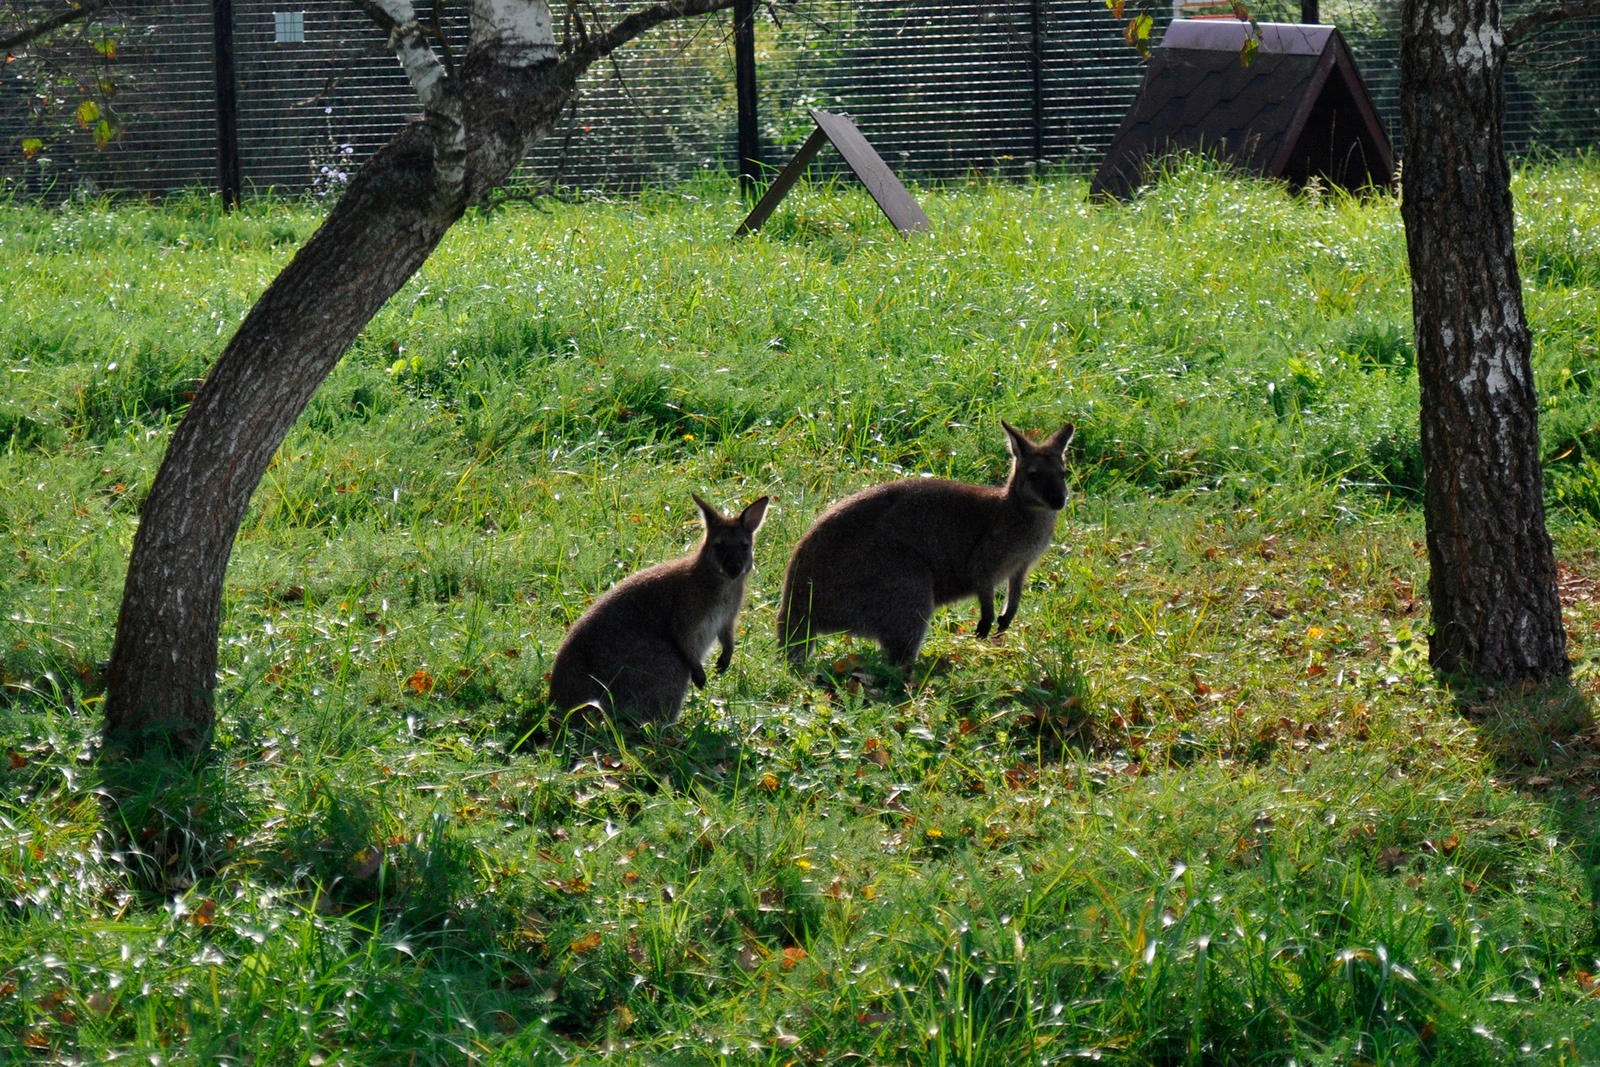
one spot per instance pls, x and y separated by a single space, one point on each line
1203 804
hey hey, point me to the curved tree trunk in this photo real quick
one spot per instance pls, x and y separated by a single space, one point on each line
1496 612
164 660
480 118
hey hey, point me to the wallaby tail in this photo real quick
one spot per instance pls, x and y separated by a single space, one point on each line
794 628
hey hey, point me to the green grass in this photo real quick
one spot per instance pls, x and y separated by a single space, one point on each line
1203 804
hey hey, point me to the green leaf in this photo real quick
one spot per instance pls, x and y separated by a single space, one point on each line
1247 54
1138 33
103 133
88 113
31 146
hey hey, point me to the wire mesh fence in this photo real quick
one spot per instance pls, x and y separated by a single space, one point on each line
943 89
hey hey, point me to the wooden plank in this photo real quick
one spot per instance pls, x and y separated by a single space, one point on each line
783 183
874 173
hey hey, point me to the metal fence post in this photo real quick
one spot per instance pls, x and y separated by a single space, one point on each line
744 81
230 181
1038 84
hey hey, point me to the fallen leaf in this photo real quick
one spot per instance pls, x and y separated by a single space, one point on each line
793 955
420 682
769 782
205 914
747 959
587 943
367 862
1020 775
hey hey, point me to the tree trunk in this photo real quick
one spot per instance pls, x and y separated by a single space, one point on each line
164 659
480 117
1496 612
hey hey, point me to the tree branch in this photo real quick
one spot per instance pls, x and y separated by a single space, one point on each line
441 104
86 9
1546 16
378 15
600 45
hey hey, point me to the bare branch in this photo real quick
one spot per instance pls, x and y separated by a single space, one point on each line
384 20
436 27
1547 16
87 9
639 22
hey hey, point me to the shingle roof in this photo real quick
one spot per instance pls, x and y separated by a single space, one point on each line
1300 108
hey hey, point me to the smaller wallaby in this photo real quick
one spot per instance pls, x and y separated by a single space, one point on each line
876 564
634 652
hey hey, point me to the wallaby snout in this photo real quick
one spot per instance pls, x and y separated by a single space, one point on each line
876 564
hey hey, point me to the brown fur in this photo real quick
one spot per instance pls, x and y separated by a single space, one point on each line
637 648
876 564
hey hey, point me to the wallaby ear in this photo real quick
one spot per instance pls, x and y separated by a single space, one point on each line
1061 438
751 517
708 514
1016 441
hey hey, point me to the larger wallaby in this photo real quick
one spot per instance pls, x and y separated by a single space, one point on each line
877 563
634 652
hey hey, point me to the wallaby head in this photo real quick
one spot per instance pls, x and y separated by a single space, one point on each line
1039 472
730 543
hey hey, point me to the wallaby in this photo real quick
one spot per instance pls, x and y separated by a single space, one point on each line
634 652
876 564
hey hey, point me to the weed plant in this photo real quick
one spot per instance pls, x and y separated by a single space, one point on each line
1204 804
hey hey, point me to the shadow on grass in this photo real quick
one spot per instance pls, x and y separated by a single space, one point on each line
1546 743
178 822
173 820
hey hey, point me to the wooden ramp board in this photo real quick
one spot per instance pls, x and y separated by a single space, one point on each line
864 162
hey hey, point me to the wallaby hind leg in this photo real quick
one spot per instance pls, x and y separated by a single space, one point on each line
899 615
798 649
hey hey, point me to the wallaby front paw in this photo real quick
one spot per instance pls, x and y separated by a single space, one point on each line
698 675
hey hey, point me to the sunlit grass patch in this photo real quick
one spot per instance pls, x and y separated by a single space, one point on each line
1204 803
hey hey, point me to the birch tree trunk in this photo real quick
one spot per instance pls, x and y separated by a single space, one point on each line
1492 579
480 116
